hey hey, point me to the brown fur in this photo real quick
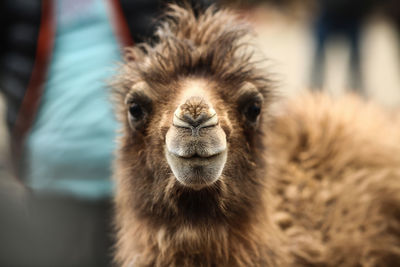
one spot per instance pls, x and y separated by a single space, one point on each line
335 166
322 190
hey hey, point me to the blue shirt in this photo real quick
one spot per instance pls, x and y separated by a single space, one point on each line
69 150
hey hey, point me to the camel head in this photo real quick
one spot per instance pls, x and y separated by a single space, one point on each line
192 107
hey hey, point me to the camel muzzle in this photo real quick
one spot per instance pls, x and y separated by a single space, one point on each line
196 148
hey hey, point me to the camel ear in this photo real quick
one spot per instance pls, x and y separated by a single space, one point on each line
129 54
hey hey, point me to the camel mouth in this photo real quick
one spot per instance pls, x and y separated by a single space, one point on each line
197 171
197 156
196 161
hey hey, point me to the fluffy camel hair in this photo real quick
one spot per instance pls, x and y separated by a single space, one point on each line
208 176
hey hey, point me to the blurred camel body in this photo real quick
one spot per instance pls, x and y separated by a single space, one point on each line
334 167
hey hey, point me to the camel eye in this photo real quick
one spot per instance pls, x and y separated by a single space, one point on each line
139 109
250 102
136 111
253 111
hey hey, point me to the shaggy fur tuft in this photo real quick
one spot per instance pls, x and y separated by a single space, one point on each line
211 44
318 184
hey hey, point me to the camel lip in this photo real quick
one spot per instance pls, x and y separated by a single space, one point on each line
197 171
196 156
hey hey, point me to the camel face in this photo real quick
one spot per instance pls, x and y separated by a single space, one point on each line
191 113
194 128
196 147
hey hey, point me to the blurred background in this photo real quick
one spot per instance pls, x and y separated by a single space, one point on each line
57 127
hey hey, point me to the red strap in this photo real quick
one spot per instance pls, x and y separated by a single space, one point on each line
120 25
31 100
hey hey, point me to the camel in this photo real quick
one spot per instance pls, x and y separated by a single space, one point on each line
209 174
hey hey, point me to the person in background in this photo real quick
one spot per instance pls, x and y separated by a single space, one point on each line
55 59
343 18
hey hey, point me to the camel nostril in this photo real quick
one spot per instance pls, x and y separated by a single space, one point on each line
202 121
195 113
206 118
195 122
